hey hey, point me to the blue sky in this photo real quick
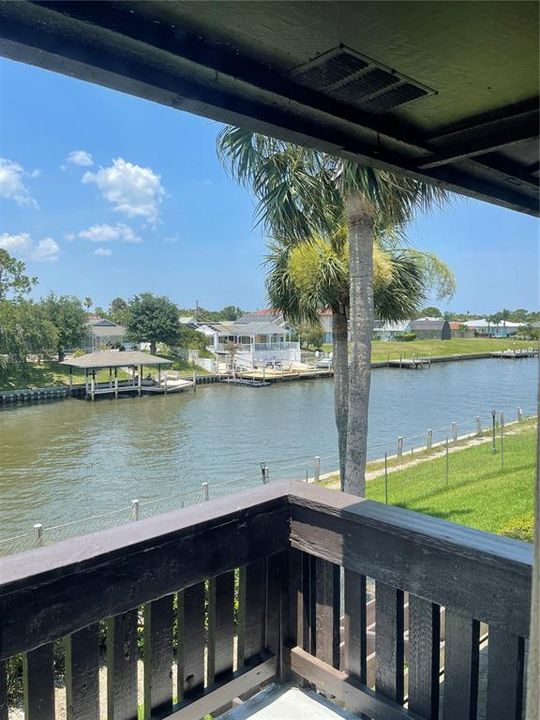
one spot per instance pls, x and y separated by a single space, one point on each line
106 195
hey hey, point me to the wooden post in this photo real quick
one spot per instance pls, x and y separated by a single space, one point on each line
70 379
85 382
454 431
194 381
116 382
92 386
139 380
429 441
110 378
205 492
519 414
478 426
38 527
134 509
399 446
317 474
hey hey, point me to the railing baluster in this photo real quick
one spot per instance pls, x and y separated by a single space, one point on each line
3 692
389 641
122 666
82 674
191 641
424 656
254 609
460 690
355 650
38 677
158 649
327 612
505 675
220 627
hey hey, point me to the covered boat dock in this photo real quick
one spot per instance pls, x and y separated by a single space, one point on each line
134 362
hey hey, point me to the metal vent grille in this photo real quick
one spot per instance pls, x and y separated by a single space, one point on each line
359 81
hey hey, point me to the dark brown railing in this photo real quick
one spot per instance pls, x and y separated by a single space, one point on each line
385 610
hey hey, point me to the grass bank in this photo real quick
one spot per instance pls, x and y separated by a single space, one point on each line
441 348
480 493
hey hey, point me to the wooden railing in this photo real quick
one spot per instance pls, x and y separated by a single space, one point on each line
248 589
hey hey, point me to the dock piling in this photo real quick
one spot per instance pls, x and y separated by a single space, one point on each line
205 492
38 527
399 446
134 509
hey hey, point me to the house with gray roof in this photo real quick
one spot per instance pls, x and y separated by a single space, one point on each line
103 334
431 329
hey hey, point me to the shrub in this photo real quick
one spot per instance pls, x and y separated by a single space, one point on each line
406 337
520 528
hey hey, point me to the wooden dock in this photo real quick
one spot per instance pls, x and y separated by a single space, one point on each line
515 354
413 363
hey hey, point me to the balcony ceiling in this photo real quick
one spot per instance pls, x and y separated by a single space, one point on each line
442 90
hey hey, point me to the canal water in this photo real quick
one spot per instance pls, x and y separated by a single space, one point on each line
67 460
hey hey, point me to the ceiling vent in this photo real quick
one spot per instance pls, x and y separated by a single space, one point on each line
359 81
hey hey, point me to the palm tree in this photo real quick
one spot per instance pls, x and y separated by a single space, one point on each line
301 192
306 276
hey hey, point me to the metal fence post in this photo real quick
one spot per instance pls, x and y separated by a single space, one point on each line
386 478
519 414
446 463
502 441
38 527
429 441
194 381
266 474
399 446
134 509
493 430
454 431
317 474
205 491
478 426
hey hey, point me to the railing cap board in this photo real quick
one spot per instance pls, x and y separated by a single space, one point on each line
399 521
75 554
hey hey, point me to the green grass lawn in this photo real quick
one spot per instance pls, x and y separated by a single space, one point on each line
479 493
457 346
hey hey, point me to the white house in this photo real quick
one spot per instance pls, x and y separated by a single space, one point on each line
389 330
503 329
252 344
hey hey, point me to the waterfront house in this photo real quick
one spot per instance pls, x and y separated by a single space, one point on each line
487 328
103 334
431 329
251 344
390 330
447 92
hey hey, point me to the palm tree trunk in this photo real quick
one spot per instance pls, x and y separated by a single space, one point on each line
361 322
341 384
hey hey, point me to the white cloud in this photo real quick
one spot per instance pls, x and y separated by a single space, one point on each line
80 157
23 245
12 185
134 191
46 250
70 236
104 252
110 233
15 243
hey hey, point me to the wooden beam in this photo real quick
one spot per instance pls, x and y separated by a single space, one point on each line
82 674
217 696
122 655
357 698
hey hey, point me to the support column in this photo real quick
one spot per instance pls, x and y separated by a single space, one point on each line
116 383
70 380
140 380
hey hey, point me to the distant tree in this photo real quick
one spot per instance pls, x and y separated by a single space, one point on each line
100 312
13 281
311 335
119 311
230 312
192 339
520 315
430 311
88 302
68 316
153 319
25 330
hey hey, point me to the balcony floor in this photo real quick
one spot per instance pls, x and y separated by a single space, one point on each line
287 702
